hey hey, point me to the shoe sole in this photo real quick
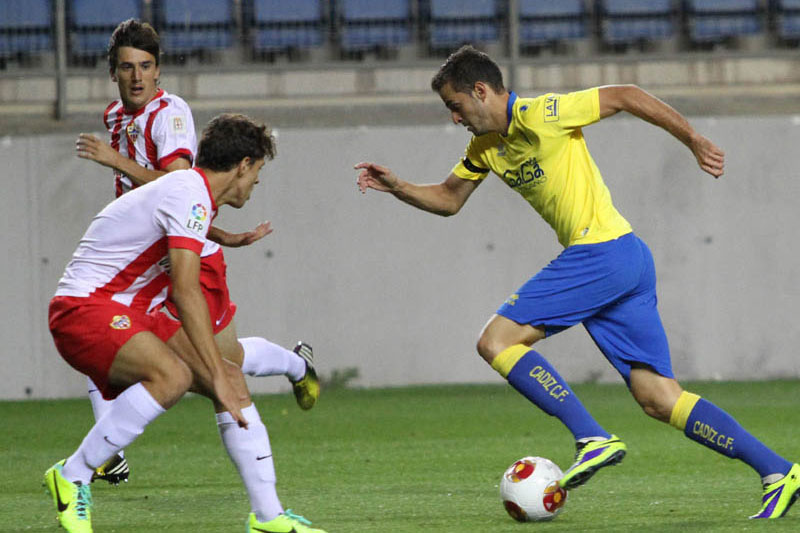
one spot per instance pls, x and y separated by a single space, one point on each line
579 479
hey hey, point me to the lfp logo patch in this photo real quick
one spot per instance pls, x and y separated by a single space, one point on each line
197 218
120 322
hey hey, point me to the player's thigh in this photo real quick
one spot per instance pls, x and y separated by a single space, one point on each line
202 380
500 332
146 358
630 334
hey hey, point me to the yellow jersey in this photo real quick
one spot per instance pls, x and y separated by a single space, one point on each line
545 159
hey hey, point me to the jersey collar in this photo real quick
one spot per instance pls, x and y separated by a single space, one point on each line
208 187
512 98
137 112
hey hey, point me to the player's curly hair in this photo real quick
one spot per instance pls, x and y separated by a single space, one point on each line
135 34
466 66
229 138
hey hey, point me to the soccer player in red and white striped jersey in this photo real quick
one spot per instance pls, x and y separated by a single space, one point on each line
152 133
102 324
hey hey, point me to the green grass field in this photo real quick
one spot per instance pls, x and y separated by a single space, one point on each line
406 460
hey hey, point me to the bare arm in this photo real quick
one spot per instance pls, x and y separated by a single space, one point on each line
90 147
640 103
206 363
445 198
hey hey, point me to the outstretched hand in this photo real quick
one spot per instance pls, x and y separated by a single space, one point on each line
235 240
376 177
709 156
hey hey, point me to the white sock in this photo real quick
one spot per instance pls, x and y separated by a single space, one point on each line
129 415
264 358
100 405
250 451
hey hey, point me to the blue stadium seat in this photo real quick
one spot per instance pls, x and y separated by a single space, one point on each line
189 26
713 21
367 23
787 19
455 22
544 21
630 21
25 26
91 22
280 24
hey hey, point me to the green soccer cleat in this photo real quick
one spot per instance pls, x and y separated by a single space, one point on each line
590 457
287 522
306 390
73 501
115 470
779 496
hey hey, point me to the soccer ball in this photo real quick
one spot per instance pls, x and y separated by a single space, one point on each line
530 490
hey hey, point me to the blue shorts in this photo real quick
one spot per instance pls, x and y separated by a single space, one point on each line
611 288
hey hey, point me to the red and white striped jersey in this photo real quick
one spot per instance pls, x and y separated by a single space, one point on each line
153 136
123 256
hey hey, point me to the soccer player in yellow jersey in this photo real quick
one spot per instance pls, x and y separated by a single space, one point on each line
604 278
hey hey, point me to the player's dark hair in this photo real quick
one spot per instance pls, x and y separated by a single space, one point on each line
466 66
136 34
229 138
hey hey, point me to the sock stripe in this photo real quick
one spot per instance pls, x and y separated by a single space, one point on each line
505 360
682 410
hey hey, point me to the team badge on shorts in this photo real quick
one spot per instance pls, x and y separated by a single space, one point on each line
120 322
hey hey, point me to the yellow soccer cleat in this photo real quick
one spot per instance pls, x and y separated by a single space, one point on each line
287 522
73 501
306 390
779 496
591 457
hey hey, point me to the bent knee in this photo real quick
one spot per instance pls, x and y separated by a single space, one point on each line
489 347
170 380
656 408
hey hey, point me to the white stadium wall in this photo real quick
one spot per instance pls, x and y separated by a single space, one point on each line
402 295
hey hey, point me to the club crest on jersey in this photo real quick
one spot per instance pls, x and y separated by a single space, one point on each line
132 132
197 218
120 322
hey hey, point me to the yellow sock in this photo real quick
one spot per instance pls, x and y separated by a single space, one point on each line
509 357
